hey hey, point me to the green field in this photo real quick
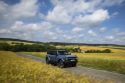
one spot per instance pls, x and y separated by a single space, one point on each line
16 69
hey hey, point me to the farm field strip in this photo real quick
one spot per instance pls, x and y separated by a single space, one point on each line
114 50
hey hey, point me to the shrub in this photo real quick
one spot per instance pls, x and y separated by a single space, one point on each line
98 51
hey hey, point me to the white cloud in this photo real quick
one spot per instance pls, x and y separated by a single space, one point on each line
109 37
49 33
121 33
103 29
80 12
3 10
81 35
77 29
115 30
19 29
68 38
25 8
50 36
93 19
4 31
20 26
65 10
58 15
83 6
112 2
92 33
59 30
115 13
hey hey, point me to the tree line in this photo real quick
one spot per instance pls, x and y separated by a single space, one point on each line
20 47
26 47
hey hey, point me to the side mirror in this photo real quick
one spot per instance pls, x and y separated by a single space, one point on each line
56 54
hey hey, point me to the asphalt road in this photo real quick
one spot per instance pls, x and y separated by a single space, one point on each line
93 73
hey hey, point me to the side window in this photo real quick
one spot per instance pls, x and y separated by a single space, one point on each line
52 52
48 52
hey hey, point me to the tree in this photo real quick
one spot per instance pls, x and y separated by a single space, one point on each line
107 51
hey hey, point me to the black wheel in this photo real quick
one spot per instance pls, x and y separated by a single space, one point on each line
74 65
47 61
60 64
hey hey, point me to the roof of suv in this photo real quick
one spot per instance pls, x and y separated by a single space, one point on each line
57 50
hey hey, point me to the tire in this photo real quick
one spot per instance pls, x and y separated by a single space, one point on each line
60 64
74 65
47 61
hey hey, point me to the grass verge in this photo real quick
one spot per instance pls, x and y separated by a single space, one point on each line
37 54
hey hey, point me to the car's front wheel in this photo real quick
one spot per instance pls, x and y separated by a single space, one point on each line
60 64
74 65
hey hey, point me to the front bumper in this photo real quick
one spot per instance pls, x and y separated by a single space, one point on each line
70 62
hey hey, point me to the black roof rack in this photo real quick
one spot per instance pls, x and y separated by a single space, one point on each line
57 50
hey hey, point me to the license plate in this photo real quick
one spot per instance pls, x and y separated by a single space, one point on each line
72 60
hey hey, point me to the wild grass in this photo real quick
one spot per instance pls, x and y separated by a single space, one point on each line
106 61
15 69
37 54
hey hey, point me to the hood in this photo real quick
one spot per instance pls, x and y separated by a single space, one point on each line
70 56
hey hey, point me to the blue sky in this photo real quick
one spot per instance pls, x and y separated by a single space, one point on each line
78 21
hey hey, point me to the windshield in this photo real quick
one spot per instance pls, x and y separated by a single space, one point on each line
63 53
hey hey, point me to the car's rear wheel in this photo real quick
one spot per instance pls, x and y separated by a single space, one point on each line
60 64
47 61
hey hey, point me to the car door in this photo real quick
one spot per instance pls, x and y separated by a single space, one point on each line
53 56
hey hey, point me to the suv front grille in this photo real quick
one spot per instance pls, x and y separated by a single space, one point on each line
72 58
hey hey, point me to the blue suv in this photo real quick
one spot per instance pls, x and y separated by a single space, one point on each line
61 58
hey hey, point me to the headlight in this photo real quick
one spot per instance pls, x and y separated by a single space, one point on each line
76 56
66 59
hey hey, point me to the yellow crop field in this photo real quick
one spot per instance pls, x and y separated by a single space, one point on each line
84 48
102 56
15 69
100 48
106 61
